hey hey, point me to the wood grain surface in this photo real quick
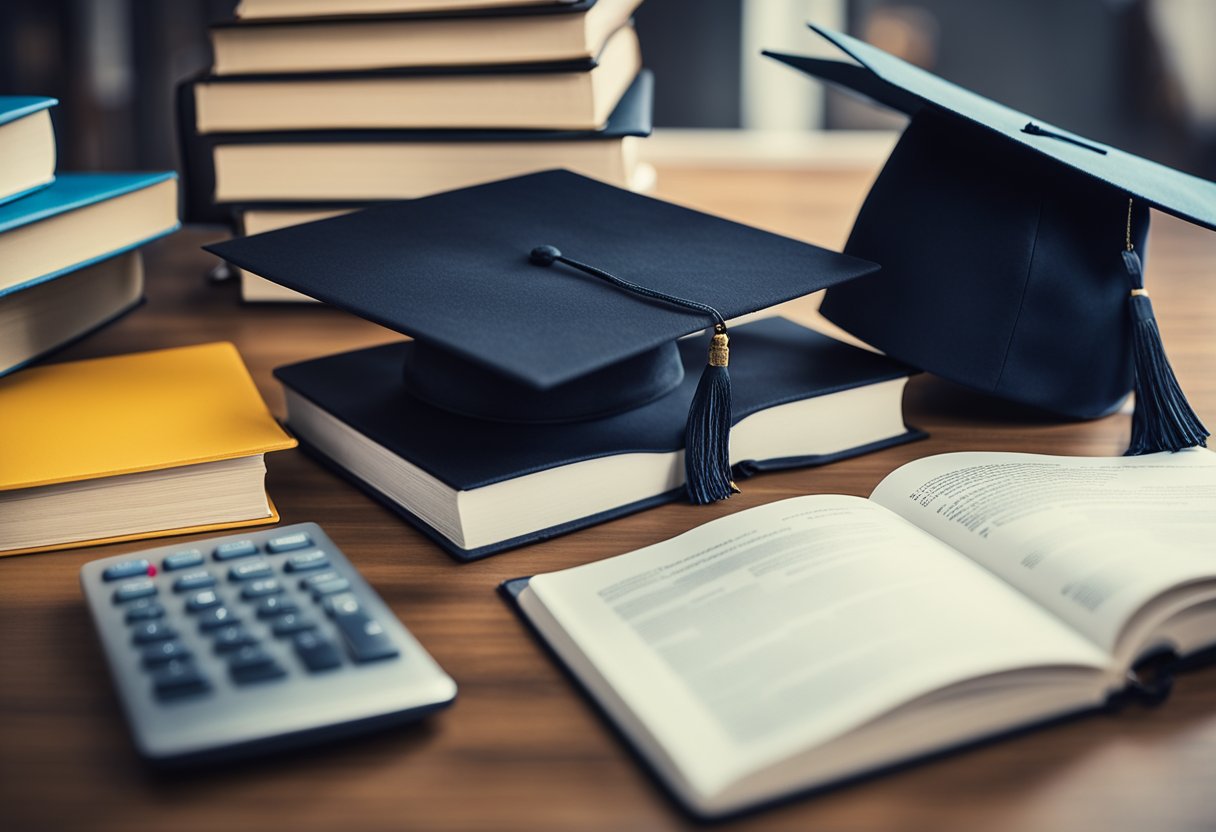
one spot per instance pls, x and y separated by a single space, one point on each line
521 749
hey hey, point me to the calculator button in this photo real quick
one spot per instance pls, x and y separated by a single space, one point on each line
166 651
144 610
250 570
182 560
324 588
317 652
215 618
126 569
316 559
194 580
253 664
232 637
275 605
132 590
177 679
288 542
204 600
235 549
290 624
152 631
344 603
319 578
364 637
260 589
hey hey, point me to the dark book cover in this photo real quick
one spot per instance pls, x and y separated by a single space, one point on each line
774 362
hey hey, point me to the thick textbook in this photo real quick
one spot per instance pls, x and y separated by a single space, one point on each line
479 487
816 639
360 166
468 98
27 145
79 219
130 446
558 33
55 313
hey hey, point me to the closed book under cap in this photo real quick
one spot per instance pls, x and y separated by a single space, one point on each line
1011 252
545 312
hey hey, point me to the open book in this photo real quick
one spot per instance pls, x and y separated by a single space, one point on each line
812 639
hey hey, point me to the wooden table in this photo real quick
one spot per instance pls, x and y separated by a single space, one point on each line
520 749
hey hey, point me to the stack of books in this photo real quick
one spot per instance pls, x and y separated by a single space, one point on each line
68 262
313 108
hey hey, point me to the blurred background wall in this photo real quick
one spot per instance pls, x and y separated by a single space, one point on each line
1139 74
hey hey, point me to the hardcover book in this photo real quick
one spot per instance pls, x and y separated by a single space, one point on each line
481 98
269 9
524 34
55 313
79 219
375 165
27 145
132 446
477 487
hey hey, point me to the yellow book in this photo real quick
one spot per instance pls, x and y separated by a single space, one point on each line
133 446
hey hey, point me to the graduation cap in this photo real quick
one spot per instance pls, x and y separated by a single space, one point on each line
1011 252
552 298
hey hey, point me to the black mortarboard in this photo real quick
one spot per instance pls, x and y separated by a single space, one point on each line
500 337
1009 249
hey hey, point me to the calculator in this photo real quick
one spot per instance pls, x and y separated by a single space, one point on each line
254 642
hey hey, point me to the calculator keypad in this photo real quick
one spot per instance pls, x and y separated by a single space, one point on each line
255 624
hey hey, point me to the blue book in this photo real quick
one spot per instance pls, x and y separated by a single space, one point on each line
27 145
80 219
67 259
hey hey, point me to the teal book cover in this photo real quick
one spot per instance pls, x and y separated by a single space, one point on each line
38 168
71 192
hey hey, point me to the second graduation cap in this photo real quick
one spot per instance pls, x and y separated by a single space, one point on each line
1011 252
546 313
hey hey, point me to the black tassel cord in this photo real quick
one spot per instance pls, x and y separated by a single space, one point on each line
1163 419
707 432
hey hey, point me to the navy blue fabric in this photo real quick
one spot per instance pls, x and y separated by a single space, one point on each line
1000 239
773 361
457 386
997 272
453 270
896 83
